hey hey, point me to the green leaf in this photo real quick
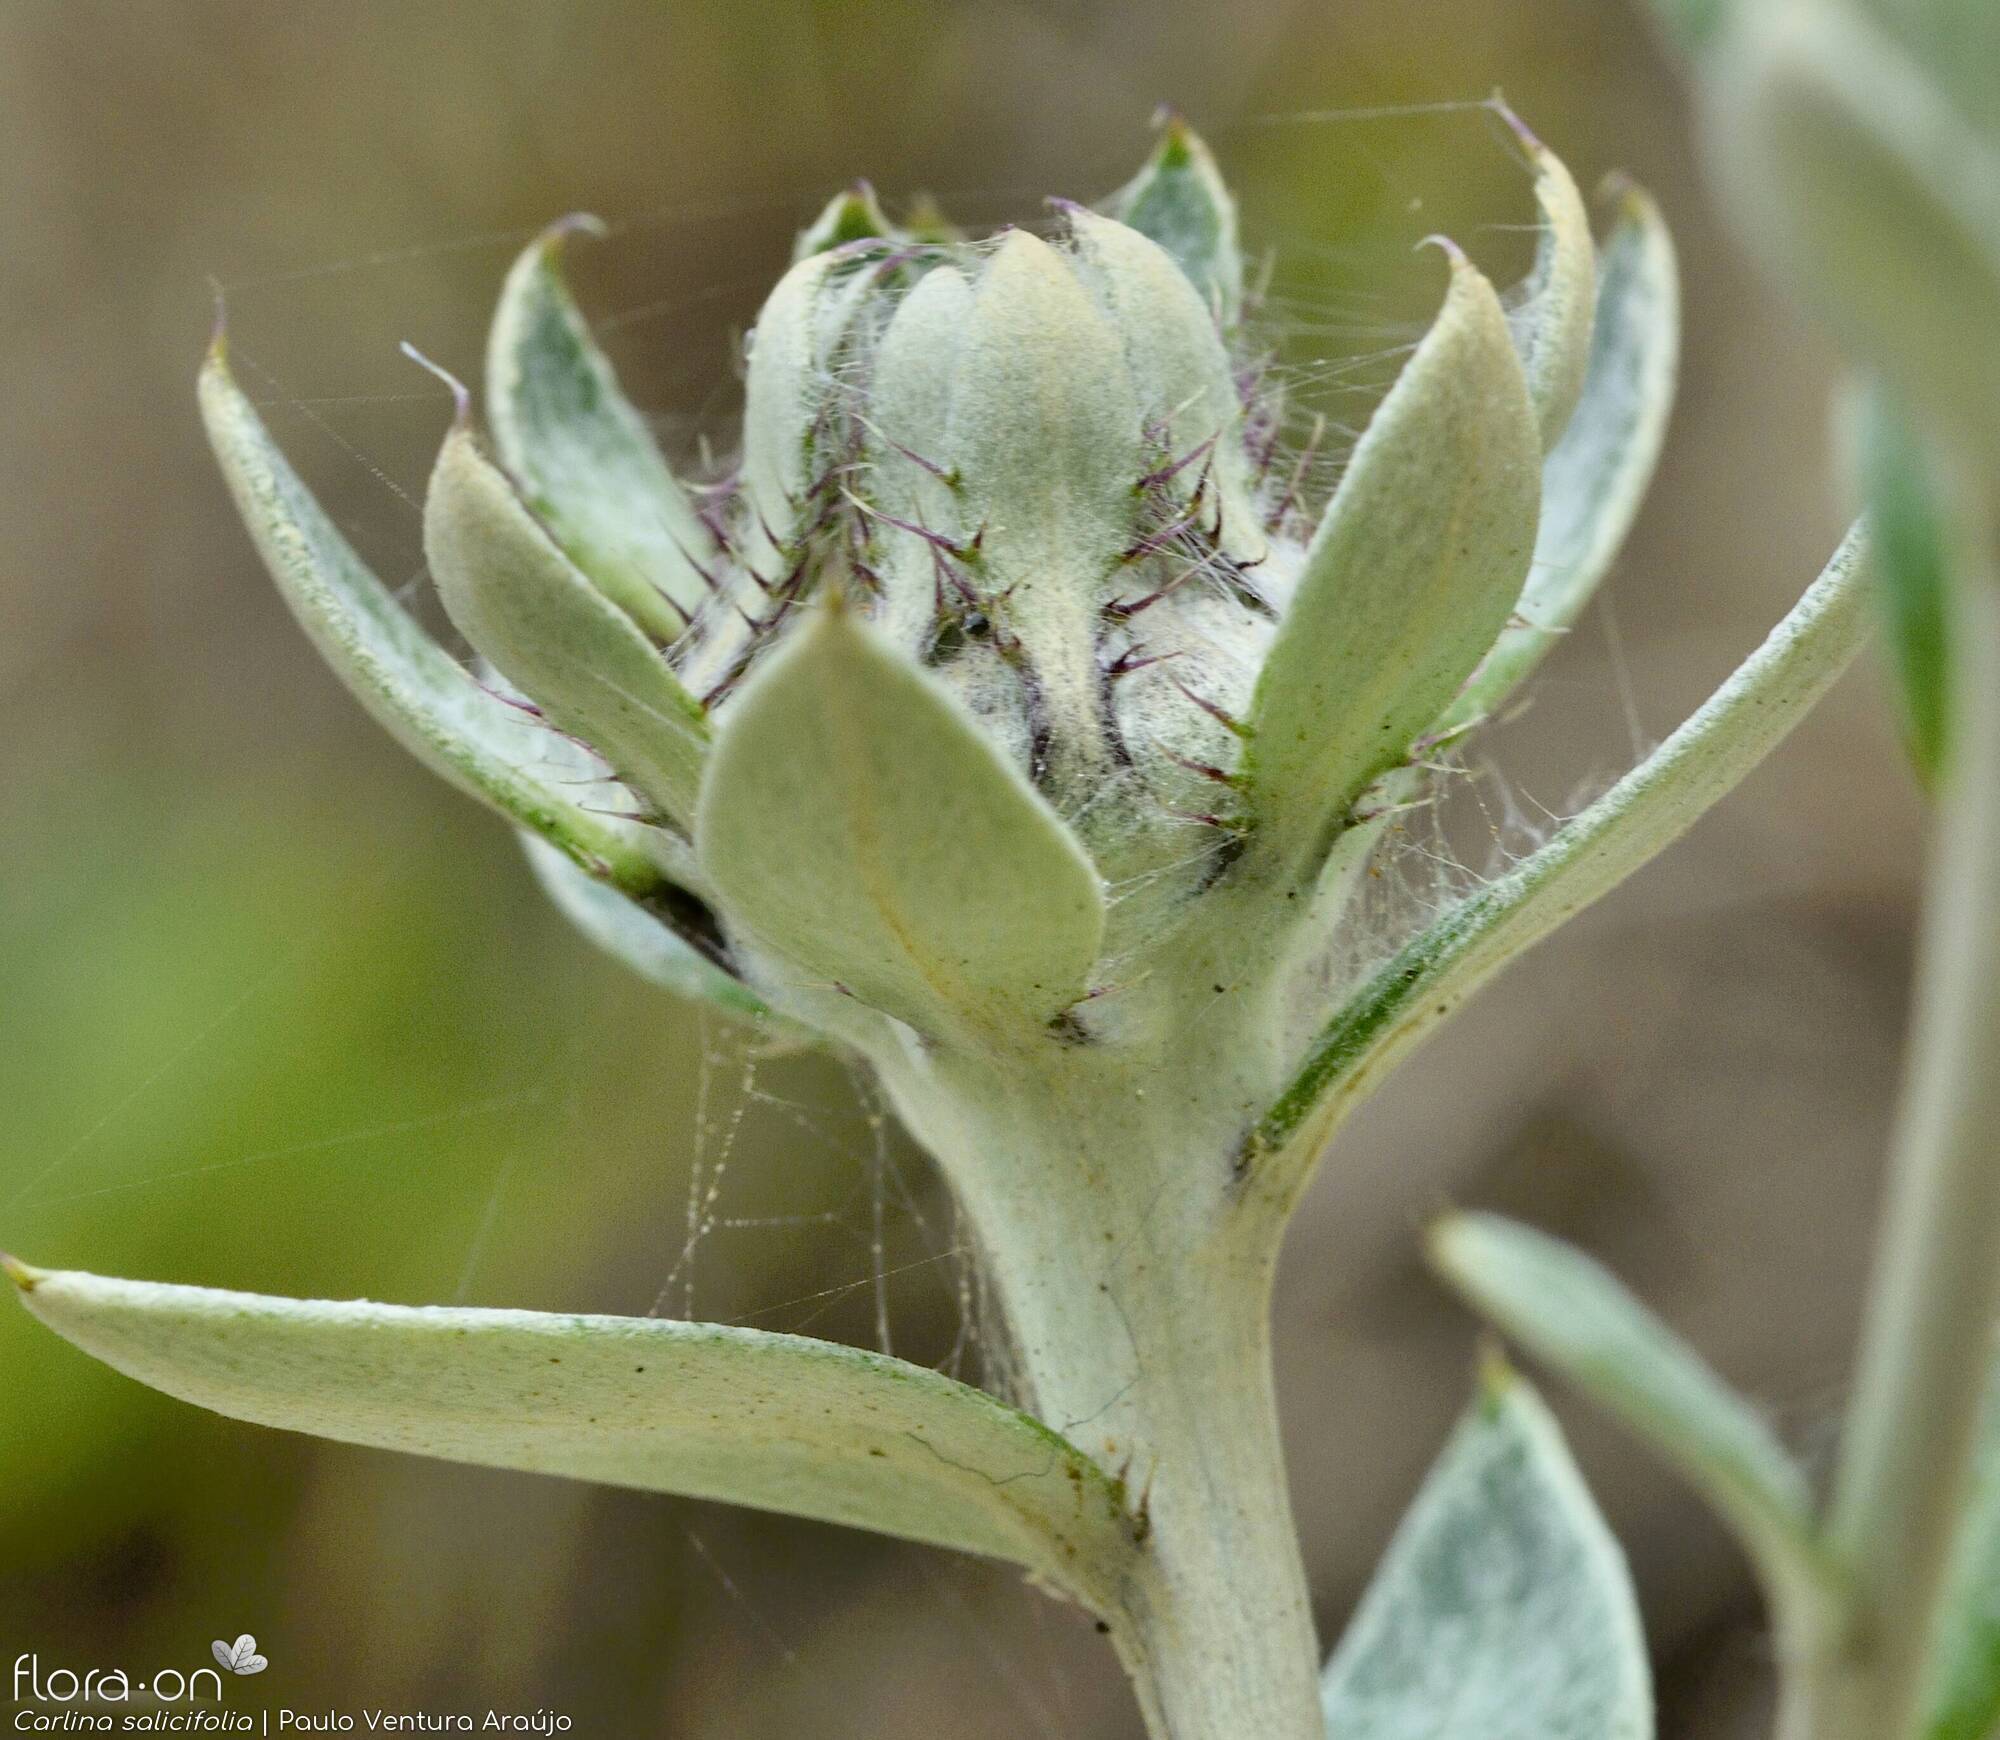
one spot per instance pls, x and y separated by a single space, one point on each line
1567 1310
1908 517
582 454
425 699
1408 580
857 820
1383 1018
781 1422
580 658
1963 1702
1552 309
1180 200
1856 177
853 215
643 941
1595 477
1503 1609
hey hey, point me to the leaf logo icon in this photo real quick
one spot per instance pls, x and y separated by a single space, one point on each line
240 1657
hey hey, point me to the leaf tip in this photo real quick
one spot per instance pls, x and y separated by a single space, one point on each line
24 1277
1523 133
550 243
461 394
217 355
1178 141
1627 198
1456 1245
1460 260
1495 1378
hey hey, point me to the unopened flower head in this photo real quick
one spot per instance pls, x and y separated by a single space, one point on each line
1008 639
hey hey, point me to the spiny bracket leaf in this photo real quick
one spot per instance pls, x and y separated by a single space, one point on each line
1913 556
1426 980
781 1422
857 820
1552 310
1408 580
582 454
1964 1696
1180 200
793 364
1569 1311
1594 477
525 606
1503 1608
1179 367
425 699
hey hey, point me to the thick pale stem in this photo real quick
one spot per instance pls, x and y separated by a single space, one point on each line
1927 1346
1138 1302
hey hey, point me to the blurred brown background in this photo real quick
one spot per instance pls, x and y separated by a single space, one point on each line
276 1011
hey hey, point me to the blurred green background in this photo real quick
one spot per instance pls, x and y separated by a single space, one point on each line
277 1011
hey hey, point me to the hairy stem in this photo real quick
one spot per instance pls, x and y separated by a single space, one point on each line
1139 1310
1927 1345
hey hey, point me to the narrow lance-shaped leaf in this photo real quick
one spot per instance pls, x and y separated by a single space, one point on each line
1565 1309
1964 1696
579 657
1180 200
781 1422
645 943
1553 308
858 821
425 699
1503 1609
582 454
1652 806
1407 581
1595 477
1908 517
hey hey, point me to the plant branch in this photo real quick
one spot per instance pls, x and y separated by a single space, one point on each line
1643 814
1927 1345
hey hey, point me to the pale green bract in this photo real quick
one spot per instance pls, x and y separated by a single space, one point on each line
1503 1609
1015 713
860 824
514 594
1404 587
1595 475
583 456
